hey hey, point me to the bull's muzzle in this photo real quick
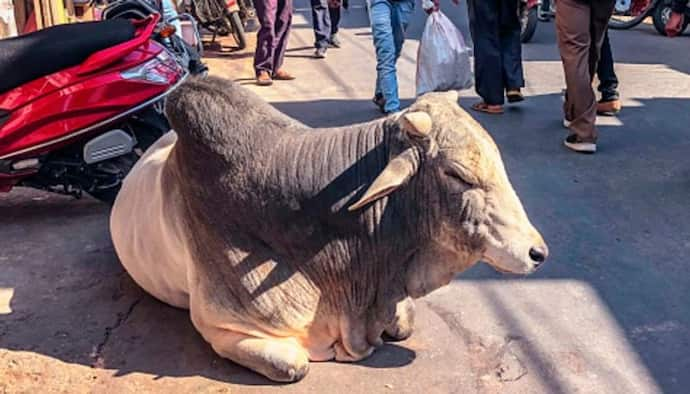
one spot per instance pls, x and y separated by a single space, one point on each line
538 254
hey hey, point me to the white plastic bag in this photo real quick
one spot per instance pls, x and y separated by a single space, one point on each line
443 58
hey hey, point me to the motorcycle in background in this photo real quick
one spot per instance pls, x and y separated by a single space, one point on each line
630 13
78 123
528 12
222 17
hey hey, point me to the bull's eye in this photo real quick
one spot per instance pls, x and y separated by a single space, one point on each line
450 173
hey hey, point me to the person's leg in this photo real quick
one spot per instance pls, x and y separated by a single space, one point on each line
321 18
546 6
608 82
170 12
335 19
334 11
487 55
265 40
511 47
401 17
283 25
382 30
679 6
574 41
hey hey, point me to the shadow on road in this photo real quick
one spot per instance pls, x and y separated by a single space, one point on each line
71 300
616 220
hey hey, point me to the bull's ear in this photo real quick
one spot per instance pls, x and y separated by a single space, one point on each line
396 174
416 124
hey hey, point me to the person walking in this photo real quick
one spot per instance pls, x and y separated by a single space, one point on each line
677 18
275 17
581 27
495 28
610 103
389 20
326 18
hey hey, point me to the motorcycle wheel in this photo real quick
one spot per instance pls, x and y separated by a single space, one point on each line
633 15
237 29
121 166
528 24
661 15
148 127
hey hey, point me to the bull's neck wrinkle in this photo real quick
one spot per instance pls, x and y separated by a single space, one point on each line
316 157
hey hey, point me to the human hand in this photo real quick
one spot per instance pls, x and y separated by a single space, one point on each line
431 6
674 24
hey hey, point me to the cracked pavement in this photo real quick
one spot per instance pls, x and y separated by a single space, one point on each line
609 313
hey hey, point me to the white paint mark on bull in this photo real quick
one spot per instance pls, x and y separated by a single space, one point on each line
6 295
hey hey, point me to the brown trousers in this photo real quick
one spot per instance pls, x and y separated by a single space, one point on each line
580 25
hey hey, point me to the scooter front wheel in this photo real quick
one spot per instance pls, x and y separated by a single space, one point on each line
147 127
120 165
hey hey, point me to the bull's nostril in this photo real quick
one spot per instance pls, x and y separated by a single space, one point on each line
538 255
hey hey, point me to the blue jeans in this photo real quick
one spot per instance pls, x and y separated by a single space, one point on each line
388 23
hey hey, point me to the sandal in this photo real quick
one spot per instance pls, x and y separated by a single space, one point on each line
282 75
514 96
487 108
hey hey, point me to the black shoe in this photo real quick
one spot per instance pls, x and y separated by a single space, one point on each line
335 41
380 102
609 107
573 143
514 95
320 53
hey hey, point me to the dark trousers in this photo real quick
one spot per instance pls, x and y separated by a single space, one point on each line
546 5
678 6
275 17
581 26
326 21
495 29
608 81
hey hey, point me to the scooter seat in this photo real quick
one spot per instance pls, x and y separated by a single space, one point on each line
27 57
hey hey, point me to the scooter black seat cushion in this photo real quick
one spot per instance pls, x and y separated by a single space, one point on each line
27 57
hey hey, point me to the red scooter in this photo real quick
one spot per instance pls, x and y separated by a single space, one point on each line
79 103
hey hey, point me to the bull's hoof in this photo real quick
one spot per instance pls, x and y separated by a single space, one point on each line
287 370
397 333
292 375
402 327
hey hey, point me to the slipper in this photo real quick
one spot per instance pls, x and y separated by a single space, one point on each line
514 96
488 109
282 75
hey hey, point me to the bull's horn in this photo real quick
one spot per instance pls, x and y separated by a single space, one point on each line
398 171
417 123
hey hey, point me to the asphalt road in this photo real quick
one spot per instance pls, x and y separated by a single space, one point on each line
609 313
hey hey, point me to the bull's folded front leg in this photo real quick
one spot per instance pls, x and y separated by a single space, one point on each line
279 359
402 326
353 345
282 359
